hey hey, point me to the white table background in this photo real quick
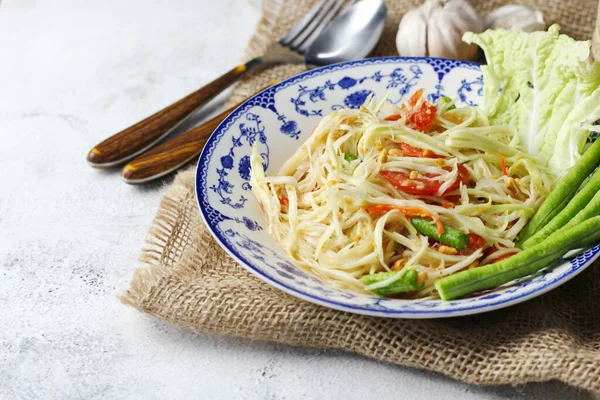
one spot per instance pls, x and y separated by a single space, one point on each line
71 73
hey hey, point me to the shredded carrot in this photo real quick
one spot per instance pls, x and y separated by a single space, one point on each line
394 117
412 211
503 164
284 201
448 204
439 225
414 99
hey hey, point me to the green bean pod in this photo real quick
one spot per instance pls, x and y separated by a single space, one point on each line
349 157
407 282
443 100
591 210
522 264
584 205
451 237
560 196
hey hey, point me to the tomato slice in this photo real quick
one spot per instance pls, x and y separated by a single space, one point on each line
476 242
421 118
423 186
419 186
463 177
411 151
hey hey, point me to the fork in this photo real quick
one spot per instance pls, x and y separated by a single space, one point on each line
145 134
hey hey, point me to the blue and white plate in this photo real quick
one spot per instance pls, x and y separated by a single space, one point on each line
280 119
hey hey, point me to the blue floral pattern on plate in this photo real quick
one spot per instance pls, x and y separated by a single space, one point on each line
278 120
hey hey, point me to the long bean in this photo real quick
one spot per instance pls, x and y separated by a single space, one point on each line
591 210
563 192
408 281
522 264
588 197
451 237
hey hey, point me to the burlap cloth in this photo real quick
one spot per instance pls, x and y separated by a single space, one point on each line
190 281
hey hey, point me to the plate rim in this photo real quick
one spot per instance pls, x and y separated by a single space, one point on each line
323 300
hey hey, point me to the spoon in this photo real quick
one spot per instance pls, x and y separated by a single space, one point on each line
351 36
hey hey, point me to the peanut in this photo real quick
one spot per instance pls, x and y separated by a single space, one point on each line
448 250
422 277
399 264
474 264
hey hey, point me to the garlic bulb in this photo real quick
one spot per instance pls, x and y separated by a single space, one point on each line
513 17
435 29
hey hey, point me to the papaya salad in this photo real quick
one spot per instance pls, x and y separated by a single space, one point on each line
429 199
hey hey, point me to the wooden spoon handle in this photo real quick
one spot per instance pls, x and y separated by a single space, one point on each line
138 138
171 155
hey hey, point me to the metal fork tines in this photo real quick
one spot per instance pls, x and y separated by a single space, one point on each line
304 33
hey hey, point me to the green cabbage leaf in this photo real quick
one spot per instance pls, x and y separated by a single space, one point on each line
543 85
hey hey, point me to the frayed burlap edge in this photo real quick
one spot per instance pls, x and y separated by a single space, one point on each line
356 330
159 233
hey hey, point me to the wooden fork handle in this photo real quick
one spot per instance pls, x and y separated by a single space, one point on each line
171 155
138 138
